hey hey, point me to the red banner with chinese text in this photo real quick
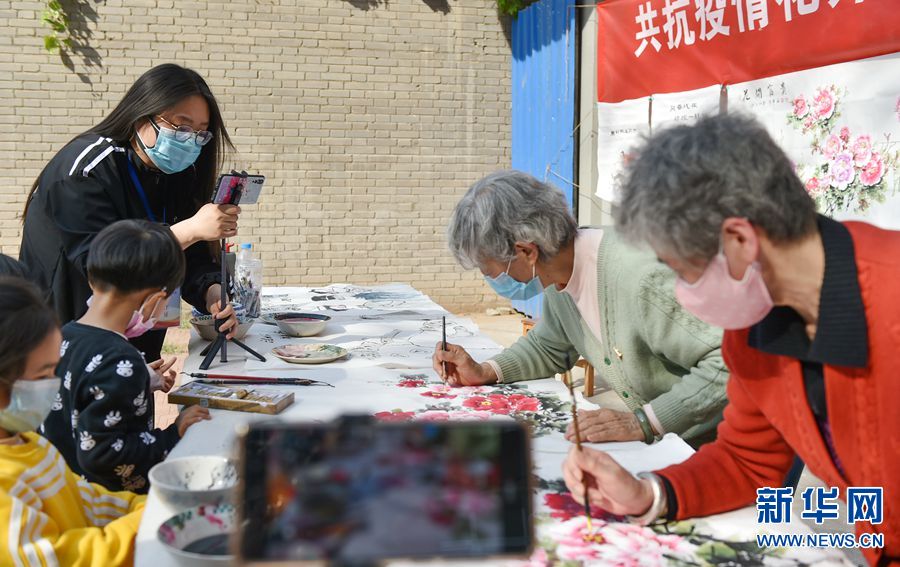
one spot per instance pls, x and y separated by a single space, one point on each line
662 46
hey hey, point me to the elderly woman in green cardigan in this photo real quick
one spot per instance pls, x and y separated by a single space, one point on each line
604 300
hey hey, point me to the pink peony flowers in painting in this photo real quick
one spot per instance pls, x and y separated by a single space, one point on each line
543 410
850 172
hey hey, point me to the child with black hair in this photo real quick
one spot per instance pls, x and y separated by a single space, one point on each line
51 515
12 267
102 418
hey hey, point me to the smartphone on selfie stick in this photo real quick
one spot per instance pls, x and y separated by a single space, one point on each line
231 189
238 188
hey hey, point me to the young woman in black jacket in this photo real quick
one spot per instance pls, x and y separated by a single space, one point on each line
155 156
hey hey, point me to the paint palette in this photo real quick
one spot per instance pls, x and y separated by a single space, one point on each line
314 353
234 398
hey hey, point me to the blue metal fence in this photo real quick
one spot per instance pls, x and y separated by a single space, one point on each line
543 100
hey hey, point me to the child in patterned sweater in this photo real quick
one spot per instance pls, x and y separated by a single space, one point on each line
102 420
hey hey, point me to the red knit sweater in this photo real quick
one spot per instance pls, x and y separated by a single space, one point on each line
768 419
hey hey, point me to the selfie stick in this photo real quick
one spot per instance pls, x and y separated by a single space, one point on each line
221 342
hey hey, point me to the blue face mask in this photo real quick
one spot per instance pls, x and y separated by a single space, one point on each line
510 288
168 154
30 402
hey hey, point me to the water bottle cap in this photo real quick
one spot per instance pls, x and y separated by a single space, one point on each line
246 246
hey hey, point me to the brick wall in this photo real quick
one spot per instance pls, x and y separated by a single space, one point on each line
369 118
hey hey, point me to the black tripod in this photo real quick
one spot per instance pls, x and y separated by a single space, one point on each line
221 343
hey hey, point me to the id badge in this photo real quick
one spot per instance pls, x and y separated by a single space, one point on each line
171 317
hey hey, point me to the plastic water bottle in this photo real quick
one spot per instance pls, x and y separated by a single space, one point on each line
248 280
245 254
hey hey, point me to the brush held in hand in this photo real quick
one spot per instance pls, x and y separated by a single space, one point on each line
567 376
444 343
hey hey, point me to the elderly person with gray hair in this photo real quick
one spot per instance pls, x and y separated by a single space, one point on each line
603 299
812 319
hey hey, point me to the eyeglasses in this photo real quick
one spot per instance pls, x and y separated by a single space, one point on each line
185 132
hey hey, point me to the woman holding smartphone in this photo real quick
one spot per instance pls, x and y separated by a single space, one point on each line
155 157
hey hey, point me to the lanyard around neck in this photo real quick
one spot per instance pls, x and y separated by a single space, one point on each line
140 191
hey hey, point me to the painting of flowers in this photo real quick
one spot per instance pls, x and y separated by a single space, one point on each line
545 411
564 540
849 172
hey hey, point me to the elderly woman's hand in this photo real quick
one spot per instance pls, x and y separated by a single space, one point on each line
609 486
598 426
461 369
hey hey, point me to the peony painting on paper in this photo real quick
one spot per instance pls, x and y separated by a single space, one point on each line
546 413
560 524
851 170
565 541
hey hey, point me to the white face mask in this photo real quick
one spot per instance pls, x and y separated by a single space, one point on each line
29 404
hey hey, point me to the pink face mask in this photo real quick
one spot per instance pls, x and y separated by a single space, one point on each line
722 301
138 325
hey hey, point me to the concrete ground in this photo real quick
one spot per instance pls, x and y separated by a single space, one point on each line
505 329
176 345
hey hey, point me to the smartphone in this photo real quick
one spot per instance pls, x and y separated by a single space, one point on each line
238 189
366 491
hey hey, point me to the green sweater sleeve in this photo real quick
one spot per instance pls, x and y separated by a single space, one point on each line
541 353
675 335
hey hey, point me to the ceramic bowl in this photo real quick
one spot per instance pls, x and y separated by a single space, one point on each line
199 537
191 481
206 327
301 324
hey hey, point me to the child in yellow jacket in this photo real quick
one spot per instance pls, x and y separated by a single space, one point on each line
48 515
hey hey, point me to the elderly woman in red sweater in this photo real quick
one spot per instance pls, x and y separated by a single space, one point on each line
812 319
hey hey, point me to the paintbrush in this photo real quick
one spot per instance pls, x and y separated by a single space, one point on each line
567 376
258 382
234 379
444 343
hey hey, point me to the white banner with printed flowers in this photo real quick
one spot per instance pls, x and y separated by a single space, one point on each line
841 127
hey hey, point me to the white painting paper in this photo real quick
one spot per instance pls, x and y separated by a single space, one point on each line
620 127
685 107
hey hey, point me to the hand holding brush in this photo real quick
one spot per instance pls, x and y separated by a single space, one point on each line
444 344
567 376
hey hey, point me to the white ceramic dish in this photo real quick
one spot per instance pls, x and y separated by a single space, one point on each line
300 324
191 481
206 328
199 537
315 353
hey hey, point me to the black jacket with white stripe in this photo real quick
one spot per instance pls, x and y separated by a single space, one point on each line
85 188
